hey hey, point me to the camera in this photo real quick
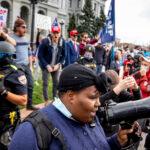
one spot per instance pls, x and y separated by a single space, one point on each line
126 114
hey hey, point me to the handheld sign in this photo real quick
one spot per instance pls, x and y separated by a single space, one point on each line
3 17
42 22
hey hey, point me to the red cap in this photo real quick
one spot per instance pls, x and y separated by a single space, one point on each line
73 32
56 29
126 63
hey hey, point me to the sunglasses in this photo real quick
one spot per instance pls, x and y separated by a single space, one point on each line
75 35
24 27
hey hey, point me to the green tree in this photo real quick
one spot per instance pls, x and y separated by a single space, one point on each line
99 22
72 23
86 19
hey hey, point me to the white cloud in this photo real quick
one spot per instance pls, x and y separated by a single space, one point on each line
132 20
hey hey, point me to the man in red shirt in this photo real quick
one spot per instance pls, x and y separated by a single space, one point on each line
85 40
144 81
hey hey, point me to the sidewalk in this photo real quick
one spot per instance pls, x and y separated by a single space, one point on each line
25 112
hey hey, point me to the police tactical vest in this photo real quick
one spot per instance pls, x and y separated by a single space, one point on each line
9 112
4 73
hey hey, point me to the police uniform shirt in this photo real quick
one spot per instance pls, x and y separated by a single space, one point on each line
15 83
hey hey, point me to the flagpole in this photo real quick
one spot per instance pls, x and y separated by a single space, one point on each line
114 20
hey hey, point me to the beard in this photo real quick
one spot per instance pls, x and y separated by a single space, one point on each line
21 34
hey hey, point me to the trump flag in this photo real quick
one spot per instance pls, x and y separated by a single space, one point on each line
107 33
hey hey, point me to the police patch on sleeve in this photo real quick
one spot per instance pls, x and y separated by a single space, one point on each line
22 79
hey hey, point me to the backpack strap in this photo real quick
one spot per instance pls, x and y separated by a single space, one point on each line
43 127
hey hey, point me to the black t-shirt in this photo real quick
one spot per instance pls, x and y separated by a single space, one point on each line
15 83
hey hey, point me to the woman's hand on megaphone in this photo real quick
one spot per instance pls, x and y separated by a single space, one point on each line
122 135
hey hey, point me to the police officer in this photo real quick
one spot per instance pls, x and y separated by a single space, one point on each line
13 92
88 59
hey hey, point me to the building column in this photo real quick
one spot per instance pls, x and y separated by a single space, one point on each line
15 11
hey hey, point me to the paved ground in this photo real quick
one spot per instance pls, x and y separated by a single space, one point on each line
25 113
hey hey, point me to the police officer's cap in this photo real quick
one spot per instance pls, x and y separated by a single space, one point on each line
6 48
89 48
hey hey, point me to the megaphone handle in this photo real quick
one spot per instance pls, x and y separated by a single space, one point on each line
132 137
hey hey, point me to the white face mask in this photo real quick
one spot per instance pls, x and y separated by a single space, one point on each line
88 55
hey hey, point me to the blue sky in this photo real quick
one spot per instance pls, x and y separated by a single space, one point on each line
132 20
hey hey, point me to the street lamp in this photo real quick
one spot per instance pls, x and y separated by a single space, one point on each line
61 24
33 3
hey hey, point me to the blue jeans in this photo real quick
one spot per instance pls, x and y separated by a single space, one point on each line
28 75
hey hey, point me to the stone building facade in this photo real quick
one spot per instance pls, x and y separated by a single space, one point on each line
61 9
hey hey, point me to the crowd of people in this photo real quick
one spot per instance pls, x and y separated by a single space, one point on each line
85 74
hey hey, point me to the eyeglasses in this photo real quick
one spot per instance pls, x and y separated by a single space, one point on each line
85 37
75 35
